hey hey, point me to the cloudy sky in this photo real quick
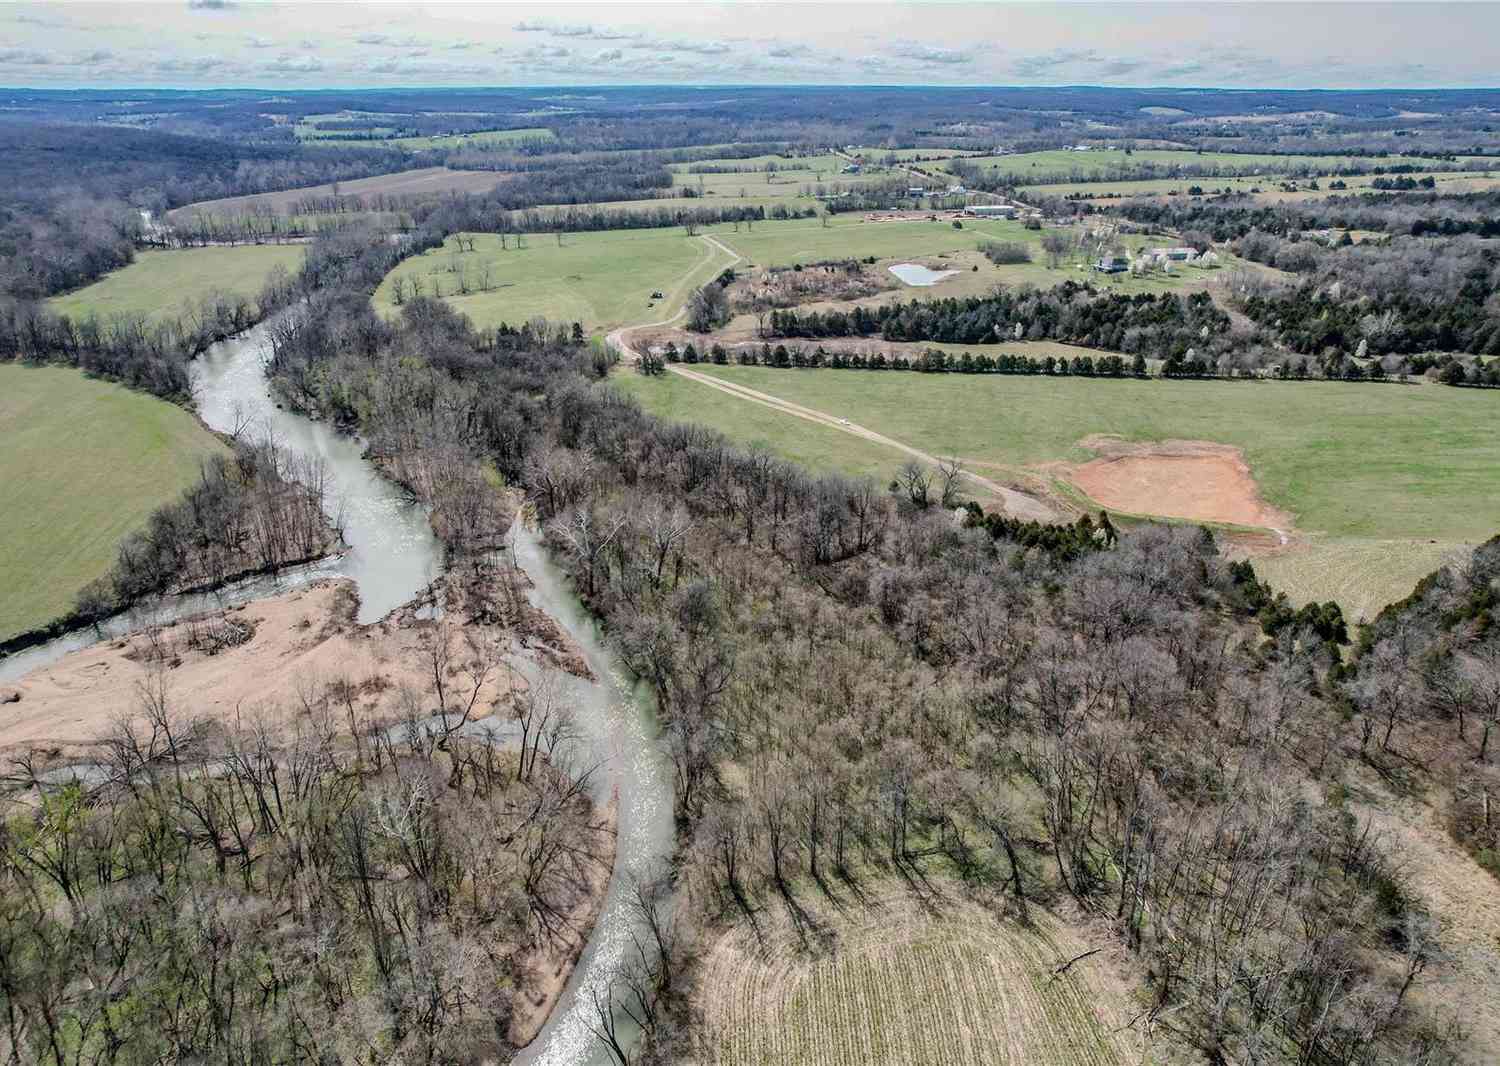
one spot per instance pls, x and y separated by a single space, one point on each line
204 43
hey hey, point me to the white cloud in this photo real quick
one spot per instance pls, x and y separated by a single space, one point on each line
190 64
928 53
706 48
287 63
25 57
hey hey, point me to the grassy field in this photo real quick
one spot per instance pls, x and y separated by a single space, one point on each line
83 463
1383 479
815 446
160 284
422 181
1060 165
773 244
484 139
887 981
602 279
1455 180
791 176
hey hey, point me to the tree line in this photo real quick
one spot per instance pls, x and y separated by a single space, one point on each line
1072 313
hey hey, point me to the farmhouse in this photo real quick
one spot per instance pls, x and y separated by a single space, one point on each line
1112 264
916 190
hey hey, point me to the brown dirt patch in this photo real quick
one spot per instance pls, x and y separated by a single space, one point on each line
263 657
1196 480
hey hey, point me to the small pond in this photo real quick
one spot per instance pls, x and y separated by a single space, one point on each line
917 274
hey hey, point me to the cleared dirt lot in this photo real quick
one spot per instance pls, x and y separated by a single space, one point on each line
402 183
1197 480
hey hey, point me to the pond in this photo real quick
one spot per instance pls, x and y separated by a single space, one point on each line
917 274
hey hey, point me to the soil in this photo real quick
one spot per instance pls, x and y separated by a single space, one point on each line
1196 480
260 657
303 635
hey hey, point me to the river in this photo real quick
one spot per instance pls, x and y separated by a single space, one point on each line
392 556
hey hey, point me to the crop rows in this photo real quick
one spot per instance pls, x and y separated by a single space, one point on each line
901 987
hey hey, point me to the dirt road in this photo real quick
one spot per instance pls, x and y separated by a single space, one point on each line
619 339
1016 504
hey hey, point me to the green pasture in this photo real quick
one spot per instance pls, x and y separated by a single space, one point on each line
83 462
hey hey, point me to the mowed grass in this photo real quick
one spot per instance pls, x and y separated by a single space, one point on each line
812 444
1059 165
896 984
160 284
772 244
1456 181
1383 480
601 279
483 139
83 462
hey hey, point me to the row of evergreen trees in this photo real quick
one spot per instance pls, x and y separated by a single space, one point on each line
931 360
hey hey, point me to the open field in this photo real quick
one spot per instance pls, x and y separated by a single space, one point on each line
890 982
815 446
602 279
1361 470
791 176
771 244
159 284
311 131
83 463
781 244
1062 165
1361 576
422 181
1448 181
483 139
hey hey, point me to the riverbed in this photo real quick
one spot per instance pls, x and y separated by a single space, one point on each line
392 557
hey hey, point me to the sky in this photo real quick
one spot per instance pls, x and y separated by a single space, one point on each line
1211 43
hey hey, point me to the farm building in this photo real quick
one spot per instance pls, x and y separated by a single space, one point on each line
1177 254
1112 264
992 210
916 190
